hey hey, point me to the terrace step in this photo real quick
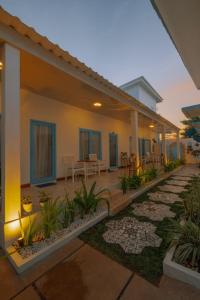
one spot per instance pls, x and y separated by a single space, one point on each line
119 202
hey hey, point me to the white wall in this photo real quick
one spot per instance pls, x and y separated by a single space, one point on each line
147 98
142 95
68 120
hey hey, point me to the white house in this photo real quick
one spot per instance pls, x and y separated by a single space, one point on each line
141 89
53 105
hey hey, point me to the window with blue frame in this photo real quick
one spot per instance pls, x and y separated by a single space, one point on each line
89 143
144 147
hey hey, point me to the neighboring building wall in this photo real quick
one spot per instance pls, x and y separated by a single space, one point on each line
68 120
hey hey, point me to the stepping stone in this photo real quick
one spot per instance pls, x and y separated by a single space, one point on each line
133 236
172 188
177 182
167 198
184 178
153 211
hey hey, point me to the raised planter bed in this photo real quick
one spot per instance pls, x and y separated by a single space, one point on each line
179 272
24 262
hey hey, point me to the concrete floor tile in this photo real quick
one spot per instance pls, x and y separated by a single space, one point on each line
11 283
140 289
28 294
87 275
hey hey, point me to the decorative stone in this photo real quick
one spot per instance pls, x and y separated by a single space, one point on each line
153 211
177 182
172 188
133 236
167 198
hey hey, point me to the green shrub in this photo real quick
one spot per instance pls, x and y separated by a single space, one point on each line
170 166
192 202
149 175
186 238
68 211
50 213
134 181
124 184
28 233
87 201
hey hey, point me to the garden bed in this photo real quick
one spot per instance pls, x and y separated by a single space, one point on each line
25 257
110 240
180 272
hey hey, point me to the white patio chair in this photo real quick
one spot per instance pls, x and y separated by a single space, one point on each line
100 164
73 167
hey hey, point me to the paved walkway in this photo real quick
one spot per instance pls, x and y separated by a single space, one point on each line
79 272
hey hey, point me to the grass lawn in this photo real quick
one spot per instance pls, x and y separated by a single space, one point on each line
149 262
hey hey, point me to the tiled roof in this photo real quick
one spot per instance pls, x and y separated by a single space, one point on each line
29 32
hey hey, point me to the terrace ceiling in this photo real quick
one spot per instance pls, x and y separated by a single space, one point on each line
50 71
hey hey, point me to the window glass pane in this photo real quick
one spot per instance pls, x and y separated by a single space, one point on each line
43 151
84 144
90 143
95 143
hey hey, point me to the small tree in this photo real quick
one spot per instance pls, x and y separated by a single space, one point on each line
190 130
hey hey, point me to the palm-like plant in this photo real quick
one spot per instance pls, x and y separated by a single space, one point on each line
50 214
87 201
68 211
186 238
192 202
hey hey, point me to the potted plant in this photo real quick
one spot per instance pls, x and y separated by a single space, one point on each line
44 198
27 204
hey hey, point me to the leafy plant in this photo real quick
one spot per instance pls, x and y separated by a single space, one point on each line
44 196
50 214
149 175
87 201
68 211
28 233
192 202
170 166
26 200
134 181
186 238
124 184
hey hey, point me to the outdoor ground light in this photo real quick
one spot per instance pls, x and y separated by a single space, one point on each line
20 241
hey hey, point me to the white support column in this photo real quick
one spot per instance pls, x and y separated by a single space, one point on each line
164 150
135 135
10 141
178 145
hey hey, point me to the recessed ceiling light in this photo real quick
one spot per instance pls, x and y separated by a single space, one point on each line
97 104
1 65
151 126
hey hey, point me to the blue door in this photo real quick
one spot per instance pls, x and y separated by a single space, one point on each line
42 152
113 150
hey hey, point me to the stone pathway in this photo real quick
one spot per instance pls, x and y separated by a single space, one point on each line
133 236
184 178
177 182
152 210
167 198
172 188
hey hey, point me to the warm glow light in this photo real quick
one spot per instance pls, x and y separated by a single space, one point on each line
1 65
151 126
97 104
13 226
